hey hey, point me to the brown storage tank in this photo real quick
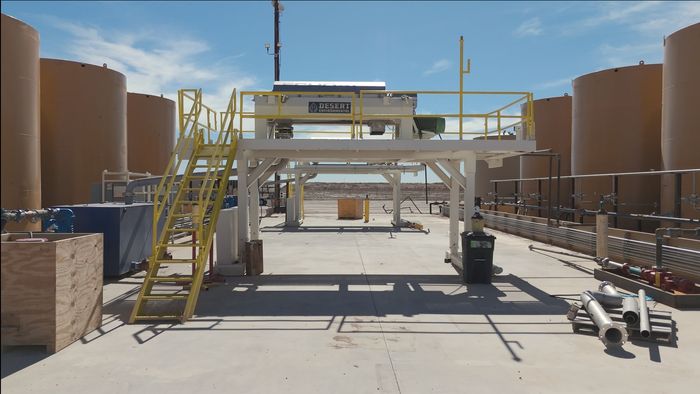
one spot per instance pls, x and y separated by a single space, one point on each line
484 175
617 128
553 131
151 132
680 119
21 159
83 129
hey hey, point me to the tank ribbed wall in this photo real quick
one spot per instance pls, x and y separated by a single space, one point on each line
552 131
484 175
83 129
680 119
616 127
151 132
21 151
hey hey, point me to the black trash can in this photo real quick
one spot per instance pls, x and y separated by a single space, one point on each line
477 257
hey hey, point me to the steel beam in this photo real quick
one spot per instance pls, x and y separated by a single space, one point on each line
440 173
260 169
449 167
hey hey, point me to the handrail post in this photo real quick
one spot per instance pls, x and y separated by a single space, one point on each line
240 117
498 121
486 127
461 84
352 112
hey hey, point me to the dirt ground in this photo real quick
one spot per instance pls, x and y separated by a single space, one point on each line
376 191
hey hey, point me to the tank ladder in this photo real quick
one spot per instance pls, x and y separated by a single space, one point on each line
189 205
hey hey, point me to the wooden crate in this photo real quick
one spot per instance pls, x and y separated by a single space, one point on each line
51 291
349 208
254 257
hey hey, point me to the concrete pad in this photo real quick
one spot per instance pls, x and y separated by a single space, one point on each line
349 307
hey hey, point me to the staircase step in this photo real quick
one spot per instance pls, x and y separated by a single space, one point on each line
165 279
207 164
156 317
182 230
189 245
191 189
187 215
204 177
176 261
166 297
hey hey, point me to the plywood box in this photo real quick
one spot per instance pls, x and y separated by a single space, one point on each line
51 291
254 257
349 208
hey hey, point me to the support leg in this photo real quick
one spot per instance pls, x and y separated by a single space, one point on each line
469 189
254 210
242 164
397 199
454 218
297 196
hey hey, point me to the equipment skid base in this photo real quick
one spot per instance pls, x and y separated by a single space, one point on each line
663 328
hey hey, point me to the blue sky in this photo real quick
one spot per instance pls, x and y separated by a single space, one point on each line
523 46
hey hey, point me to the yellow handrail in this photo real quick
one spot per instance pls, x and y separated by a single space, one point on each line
357 117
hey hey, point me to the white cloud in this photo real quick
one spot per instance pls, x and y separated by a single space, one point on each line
631 54
648 21
157 63
437 67
555 83
531 27
654 18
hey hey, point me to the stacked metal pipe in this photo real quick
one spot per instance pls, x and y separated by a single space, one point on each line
635 313
610 333
644 324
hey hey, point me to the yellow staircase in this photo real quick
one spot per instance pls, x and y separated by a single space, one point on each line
187 203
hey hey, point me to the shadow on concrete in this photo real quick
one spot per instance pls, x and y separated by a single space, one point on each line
16 358
340 229
654 353
568 263
619 352
115 313
349 295
361 303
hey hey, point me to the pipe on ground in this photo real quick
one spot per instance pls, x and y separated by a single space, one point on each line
630 311
608 288
611 300
609 332
644 325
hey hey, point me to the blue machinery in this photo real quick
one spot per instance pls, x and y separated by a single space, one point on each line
54 220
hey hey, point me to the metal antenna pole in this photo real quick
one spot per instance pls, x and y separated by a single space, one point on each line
277 8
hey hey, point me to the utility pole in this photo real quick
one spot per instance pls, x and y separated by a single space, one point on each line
277 10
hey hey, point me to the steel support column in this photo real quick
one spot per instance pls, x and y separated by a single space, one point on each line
397 199
469 189
254 210
242 164
454 219
298 184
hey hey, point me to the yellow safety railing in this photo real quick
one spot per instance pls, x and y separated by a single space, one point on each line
488 131
196 121
493 123
280 98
